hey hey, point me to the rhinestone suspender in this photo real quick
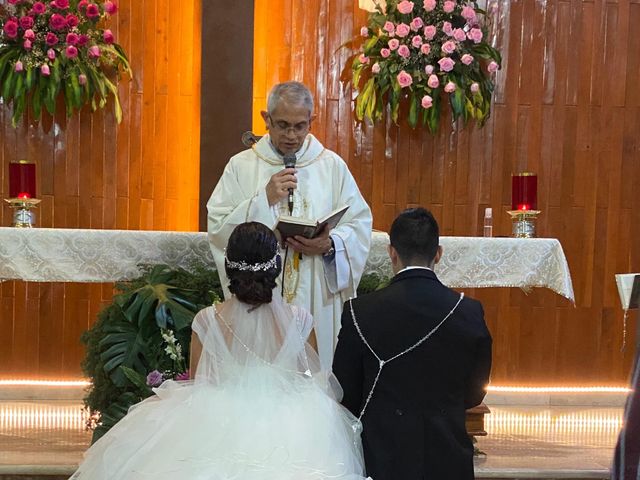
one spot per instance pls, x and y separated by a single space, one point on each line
382 362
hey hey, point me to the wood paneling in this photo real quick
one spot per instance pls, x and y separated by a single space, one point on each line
567 106
93 173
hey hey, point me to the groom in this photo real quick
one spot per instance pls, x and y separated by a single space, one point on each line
429 348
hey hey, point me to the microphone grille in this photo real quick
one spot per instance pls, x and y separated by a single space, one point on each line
289 160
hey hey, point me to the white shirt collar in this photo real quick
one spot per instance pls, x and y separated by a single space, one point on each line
414 267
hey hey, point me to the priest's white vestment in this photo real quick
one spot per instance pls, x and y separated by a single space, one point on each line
321 285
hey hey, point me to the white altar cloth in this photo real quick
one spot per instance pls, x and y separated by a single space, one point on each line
75 255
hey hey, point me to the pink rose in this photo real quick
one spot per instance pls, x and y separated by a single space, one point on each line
10 29
403 30
404 79
429 5
38 8
375 68
83 40
72 38
433 81
492 67
385 52
51 39
14 2
475 34
450 87
26 22
403 51
44 70
394 43
405 6
446 64
475 88
29 34
61 4
108 37
364 31
19 67
57 22
469 13
428 69
429 32
449 47
72 20
447 28
467 59
83 4
416 24
363 58
449 6
71 51
82 79
459 35
93 11
110 7
426 102
425 49
416 41
27 44
51 54
94 51
389 27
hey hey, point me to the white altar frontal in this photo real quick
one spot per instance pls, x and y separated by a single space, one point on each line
75 255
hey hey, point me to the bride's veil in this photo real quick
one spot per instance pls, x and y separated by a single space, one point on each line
244 344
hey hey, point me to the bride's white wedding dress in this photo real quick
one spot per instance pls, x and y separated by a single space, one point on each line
260 408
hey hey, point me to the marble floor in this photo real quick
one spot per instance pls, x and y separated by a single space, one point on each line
38 437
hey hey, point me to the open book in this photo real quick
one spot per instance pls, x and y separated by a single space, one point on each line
629 289
290 226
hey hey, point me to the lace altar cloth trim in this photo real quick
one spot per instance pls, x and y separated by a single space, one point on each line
69 255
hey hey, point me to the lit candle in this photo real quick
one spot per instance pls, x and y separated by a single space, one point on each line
22 179
524 191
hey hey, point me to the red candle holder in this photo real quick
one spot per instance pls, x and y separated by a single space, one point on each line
524 204
22 193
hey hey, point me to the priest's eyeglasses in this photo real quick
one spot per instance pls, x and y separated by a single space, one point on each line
285 127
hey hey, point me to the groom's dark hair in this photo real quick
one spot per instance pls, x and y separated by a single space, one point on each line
414 235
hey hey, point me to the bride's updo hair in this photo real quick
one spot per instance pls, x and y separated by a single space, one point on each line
252 263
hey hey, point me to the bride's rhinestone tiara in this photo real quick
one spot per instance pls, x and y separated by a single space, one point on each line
252 267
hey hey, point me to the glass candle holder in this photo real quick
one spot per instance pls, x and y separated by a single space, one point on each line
22 179
524 191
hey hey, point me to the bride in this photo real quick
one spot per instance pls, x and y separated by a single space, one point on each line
260 406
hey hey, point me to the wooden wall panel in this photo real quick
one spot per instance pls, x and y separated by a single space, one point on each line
94 173
567 106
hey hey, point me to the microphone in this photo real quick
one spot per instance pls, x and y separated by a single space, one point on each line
290 162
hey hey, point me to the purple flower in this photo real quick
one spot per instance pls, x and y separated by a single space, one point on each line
155 379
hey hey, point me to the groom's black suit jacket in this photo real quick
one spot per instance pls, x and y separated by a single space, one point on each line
414 426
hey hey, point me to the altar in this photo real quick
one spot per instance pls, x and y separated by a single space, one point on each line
77 255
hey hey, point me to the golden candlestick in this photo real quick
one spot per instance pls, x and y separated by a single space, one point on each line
23 215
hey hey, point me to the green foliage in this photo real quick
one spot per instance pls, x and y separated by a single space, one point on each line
126 342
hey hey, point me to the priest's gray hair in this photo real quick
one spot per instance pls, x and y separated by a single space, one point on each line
294 93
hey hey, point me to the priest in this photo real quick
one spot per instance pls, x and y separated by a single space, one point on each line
319 274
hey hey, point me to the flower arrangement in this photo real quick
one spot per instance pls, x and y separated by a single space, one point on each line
48 48
426 52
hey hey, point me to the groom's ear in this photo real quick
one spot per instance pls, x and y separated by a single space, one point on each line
393 254
438 255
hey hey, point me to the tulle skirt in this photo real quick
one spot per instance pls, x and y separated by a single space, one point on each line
260 428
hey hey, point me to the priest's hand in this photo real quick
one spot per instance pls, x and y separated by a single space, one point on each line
312 246
279 185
